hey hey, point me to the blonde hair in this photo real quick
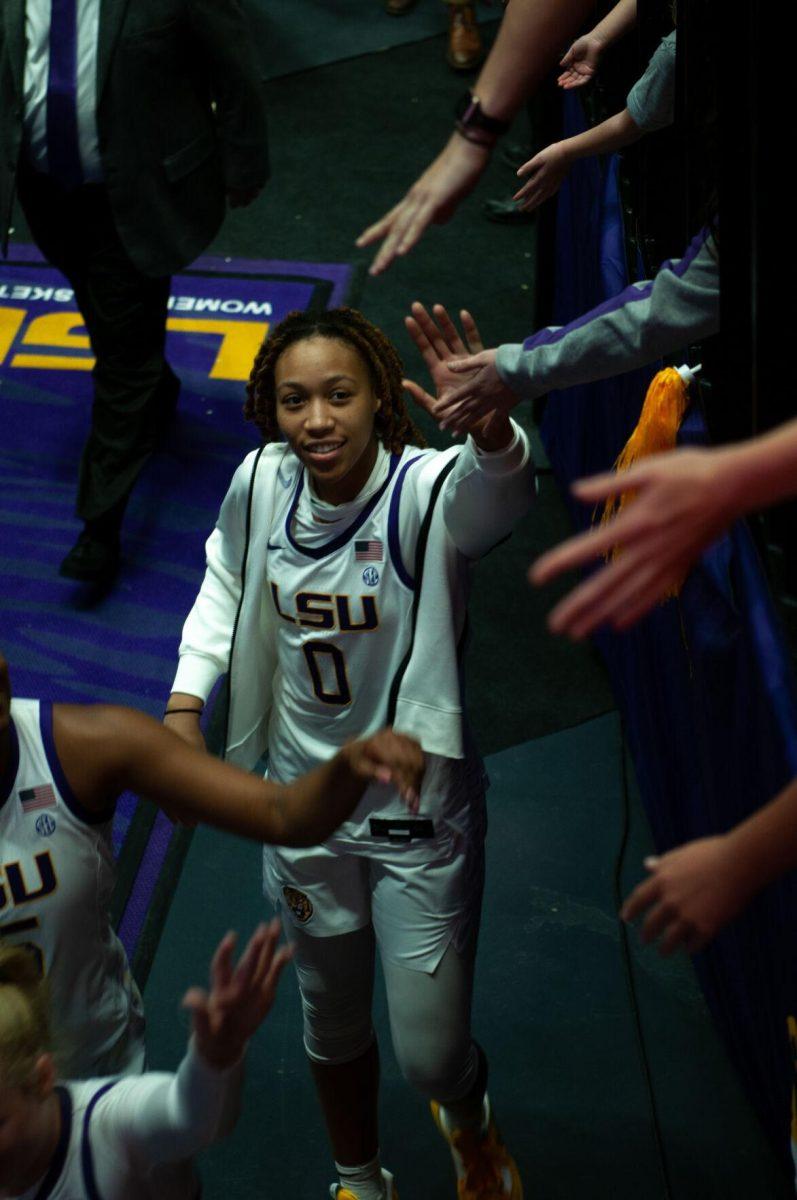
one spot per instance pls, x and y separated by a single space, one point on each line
24 1015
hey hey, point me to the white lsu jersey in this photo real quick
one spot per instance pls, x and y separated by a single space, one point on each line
341 587
135 1138
56 877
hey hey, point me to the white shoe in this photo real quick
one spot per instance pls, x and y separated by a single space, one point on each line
338 1192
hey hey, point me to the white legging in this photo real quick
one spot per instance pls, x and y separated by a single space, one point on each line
429 1013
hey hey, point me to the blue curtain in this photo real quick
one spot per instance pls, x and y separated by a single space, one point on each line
703 682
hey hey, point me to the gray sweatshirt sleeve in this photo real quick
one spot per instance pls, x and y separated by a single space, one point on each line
642 323
651 101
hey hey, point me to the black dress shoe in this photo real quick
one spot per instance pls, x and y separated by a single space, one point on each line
91 559
507 212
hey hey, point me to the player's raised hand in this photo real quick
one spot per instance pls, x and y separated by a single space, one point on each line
432 199
439 341
240 997
581 61
440 344
391 758
692 892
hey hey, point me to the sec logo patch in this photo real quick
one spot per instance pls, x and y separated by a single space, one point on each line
370 576
45 825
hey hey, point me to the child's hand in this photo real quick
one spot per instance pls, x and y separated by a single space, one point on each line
546 171
581 61
691 894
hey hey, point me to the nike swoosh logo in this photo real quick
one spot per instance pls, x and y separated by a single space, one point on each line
271 546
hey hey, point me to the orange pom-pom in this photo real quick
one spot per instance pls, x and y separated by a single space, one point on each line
656 431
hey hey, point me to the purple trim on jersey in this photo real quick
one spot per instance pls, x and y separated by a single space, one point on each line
342 538
59 1157
86 1157
67 795
629 295
393 540
8 778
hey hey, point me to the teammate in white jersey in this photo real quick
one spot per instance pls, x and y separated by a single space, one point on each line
335 594
130 1138
61 769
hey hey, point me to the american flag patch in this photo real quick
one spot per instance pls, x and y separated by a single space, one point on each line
368 551
34 798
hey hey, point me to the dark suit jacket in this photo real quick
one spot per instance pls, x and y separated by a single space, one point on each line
180 119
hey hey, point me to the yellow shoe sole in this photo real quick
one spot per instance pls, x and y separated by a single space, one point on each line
516 1192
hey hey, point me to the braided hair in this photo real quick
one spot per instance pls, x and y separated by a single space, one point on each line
392 424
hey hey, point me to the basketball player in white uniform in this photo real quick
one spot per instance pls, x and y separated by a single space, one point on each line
61 770
58 875
129 1138
342 560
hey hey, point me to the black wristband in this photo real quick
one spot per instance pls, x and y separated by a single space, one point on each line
167 712
470 115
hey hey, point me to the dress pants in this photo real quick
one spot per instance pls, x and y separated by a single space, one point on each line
135 391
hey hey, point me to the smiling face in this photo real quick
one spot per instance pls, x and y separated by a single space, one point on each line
325 409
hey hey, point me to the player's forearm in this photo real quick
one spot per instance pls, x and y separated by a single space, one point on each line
313 806
529 43
193 786
165 1118
617 22
764 847
614 133
186 701
762 471
487 493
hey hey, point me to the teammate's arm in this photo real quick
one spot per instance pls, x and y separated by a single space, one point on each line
105 750
159 1117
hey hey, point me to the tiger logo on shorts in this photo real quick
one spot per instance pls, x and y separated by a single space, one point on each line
299 904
